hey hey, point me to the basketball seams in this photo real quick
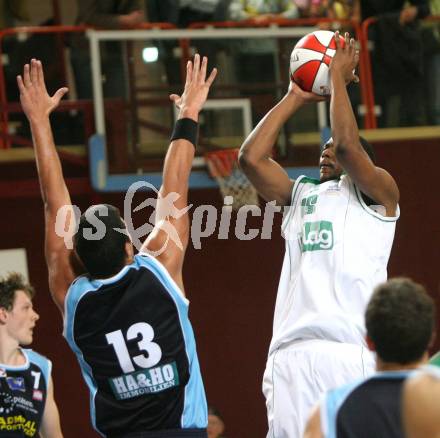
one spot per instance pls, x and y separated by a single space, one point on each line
310 60
321 48
311 79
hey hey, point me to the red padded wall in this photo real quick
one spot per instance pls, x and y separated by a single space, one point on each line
231 285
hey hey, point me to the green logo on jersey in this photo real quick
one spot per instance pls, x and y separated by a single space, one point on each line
308 205
146 381
317 236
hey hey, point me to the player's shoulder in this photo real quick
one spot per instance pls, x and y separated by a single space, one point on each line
303 180
426 372
335 397
37 359
301 185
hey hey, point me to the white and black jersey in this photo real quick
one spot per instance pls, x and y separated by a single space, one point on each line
136 348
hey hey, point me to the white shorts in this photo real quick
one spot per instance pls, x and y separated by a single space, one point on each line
296 375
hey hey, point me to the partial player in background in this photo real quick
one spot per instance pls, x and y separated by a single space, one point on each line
27 404
339 233
400 320
126 319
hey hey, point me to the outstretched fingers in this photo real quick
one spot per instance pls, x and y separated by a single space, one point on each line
33 71
211 77
203 69
59 94
337 40
26 76
20 84
40 71
347 40
196 68
189 73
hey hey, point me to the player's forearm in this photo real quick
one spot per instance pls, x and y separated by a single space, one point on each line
53 188
259 144
178 161
345 131
177 168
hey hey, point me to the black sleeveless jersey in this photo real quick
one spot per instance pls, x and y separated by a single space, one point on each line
371 408
136 348
23 392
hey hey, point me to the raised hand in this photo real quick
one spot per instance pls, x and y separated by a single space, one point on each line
34 98
345 59
196 88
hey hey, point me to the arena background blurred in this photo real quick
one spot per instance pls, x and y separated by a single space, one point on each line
231 283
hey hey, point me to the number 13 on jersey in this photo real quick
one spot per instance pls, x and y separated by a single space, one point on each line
145 344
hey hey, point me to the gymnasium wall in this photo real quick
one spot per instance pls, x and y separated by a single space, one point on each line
231 285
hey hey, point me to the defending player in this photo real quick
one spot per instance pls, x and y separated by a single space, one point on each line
339 232
400 320
127 318
27 404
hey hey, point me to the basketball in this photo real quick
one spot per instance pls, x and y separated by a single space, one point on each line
310 60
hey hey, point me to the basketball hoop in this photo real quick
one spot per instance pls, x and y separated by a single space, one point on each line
223 166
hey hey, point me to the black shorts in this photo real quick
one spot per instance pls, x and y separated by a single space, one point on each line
175 433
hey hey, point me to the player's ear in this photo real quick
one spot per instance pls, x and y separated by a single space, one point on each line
3 315
129 249
370 344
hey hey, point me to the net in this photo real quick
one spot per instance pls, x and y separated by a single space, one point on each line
223 166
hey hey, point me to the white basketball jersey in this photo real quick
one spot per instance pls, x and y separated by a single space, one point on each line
337 250
432 370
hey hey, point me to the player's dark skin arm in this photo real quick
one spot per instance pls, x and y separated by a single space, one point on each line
313 427
177 168
373 181
37 105
268 177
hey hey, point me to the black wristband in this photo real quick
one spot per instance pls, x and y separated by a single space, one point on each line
187 129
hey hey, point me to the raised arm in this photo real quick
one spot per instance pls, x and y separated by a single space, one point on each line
50 425
37 105
171 233
373 181
268 177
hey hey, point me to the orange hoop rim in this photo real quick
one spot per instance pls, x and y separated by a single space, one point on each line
221 162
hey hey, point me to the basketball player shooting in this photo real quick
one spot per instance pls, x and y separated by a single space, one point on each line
126 319
339 232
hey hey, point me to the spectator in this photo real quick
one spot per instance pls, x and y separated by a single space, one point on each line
255 58
216 426
182 13
431 48
12 11
110 15
261 10
400 320
397 59
344 10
